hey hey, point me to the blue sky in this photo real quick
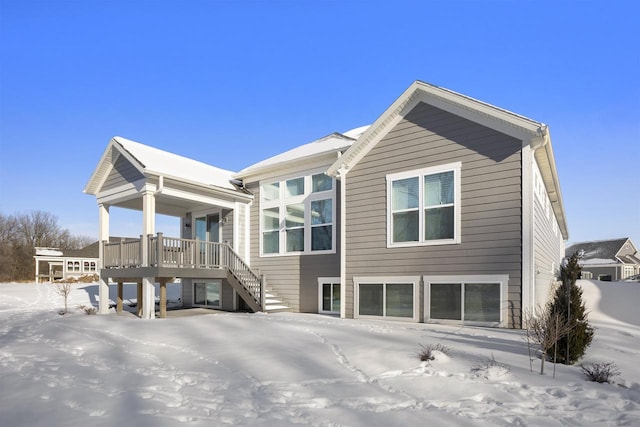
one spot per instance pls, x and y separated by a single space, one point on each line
232 83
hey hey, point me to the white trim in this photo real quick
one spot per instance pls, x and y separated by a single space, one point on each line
384 280
502 279
528 229
343 243
332 281
236 227
455 167
247 233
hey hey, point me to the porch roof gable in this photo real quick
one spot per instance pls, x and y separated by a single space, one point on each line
152 161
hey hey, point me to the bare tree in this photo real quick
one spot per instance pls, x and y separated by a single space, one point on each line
544 327
64 289
21 233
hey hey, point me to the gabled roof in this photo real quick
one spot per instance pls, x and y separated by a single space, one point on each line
602 252
522 128
152 161
326 145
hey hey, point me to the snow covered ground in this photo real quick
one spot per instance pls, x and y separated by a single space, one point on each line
298 369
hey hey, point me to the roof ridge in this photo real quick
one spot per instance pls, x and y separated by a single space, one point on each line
596 241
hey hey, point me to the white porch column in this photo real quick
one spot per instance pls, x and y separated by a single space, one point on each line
148 298
37 270
103 234
148 227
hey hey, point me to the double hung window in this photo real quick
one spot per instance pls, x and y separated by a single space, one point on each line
424 206
297 215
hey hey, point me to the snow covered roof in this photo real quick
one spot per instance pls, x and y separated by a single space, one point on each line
159 162
600 251
330 143
48 252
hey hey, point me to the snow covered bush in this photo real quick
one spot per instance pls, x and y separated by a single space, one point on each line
491 370
601 372
428 352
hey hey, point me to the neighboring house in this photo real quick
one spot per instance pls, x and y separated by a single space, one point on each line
445 209
56 264
615 259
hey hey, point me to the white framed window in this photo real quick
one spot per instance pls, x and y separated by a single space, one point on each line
329 295
73 266
395 298
89 266
587 275
475 300
297 215
207 294
423 206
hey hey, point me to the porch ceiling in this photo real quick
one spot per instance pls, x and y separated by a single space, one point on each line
167 205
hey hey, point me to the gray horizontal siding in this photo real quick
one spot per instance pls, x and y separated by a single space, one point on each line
491 203
123 172
293 278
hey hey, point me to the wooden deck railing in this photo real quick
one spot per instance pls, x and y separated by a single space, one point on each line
182 253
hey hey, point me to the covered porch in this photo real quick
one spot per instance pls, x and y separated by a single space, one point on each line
213 214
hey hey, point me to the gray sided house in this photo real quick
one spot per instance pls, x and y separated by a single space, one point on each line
445 209
613 260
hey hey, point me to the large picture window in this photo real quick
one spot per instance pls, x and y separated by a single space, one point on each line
424 206
298 215
392 297
466 299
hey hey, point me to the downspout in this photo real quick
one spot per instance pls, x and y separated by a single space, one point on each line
160 185
342 175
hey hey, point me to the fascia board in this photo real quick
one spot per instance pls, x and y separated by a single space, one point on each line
309 162
477 111
552 184
97 177
208 187
99 174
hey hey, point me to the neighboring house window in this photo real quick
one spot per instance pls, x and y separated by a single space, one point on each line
297 215
207 294
466 299
627 272
89 266
73 266
392 297
424 206
329 295
587 275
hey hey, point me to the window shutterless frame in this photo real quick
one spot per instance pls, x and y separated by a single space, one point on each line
298 215
416 199
458 284
373 291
